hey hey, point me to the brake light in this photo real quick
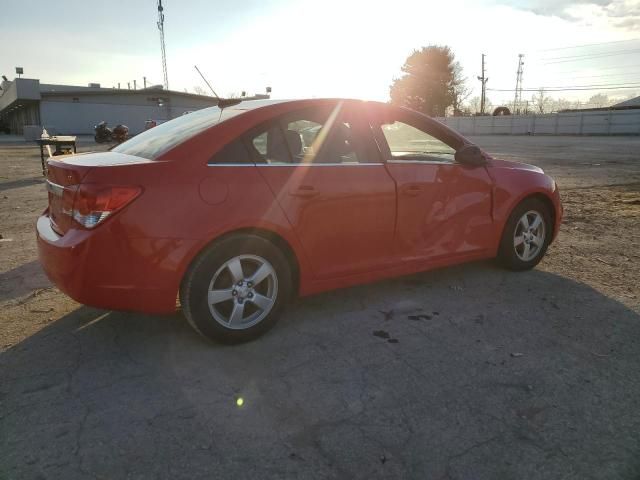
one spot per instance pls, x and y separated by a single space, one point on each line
93 203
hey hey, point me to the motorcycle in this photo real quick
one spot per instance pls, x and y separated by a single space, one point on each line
103 133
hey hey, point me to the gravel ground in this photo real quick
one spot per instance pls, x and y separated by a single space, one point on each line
462 373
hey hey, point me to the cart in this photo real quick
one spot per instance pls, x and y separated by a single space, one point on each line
63 145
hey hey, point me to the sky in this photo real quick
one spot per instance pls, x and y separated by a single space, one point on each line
328 48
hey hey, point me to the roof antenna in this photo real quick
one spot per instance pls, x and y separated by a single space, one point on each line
222 102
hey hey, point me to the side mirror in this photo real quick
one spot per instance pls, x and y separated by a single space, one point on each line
470 155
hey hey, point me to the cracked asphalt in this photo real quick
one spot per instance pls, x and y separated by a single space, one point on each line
465 373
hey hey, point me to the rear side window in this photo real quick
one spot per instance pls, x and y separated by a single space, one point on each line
234 153
158 140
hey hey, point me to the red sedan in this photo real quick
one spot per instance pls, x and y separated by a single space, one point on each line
235 210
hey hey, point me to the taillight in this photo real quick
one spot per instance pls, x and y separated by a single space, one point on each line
93 203
68 193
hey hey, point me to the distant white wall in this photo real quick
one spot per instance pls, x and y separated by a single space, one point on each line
613 122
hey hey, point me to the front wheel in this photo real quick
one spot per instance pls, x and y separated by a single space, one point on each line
526 235
236 289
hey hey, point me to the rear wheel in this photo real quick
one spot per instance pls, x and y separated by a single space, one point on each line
236 289
526 235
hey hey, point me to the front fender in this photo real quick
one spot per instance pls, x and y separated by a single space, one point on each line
513 185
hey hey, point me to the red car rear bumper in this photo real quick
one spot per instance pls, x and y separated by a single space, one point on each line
104 269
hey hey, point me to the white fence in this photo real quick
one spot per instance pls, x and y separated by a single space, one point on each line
612 122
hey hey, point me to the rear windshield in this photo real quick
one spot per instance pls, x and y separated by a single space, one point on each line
157 140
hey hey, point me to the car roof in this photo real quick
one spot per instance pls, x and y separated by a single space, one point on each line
265 107
248 105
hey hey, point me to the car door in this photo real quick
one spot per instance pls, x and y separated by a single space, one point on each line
444 208
327 175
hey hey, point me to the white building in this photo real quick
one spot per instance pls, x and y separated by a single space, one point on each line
69 109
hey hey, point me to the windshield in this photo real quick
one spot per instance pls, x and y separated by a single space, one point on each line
157 140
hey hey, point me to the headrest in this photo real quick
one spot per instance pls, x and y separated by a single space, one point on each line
277 149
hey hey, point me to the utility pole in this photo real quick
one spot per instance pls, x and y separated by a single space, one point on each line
517 101
483 80
144 80
162 46
135 87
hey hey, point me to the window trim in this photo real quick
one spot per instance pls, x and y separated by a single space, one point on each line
294 165
422 162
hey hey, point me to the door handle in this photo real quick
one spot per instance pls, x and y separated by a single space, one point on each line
304 191
411 190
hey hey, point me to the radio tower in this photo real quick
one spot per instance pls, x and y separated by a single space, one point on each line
517 101
164 53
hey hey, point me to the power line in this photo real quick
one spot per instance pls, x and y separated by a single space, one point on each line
635 73
619 84
618 67
563 89
582 55
589 45
578 58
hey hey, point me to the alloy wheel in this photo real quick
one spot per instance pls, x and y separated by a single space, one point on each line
529 236
242 292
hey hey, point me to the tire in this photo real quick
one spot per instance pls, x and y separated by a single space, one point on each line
214 276
513 253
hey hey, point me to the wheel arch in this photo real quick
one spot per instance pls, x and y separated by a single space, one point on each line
541 196
546 200
271 236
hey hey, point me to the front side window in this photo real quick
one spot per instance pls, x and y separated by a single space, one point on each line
321 135
409 143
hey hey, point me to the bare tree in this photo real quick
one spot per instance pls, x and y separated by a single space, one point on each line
201 91
598 101
474 105
541 101
488 105
561 104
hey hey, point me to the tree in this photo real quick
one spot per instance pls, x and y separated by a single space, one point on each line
541 101
429 83
460 91
598 101
200 91
561 104
474 105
